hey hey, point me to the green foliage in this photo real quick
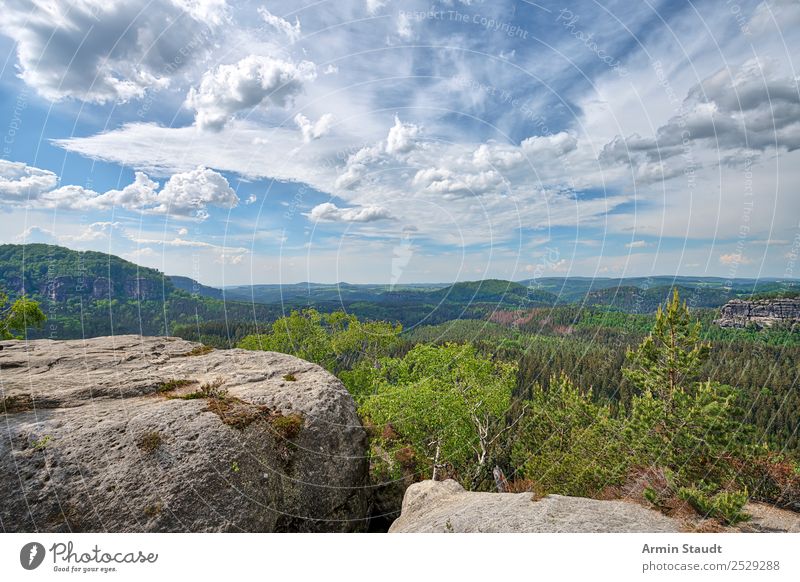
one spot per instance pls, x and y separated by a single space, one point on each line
671 355
336 341
725 505
568 443
18 317
445 403
695 433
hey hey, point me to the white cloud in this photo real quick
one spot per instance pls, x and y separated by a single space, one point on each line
108 50
20 182
329 212
186 194
292 31
316 130
404 28
552 145
734 259
191 193
402 137
252 81
36 234
94 231
373 6
637 244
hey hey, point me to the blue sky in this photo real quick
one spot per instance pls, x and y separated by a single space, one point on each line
379 141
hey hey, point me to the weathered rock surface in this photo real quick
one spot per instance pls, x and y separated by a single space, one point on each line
762 313
444 506
97 437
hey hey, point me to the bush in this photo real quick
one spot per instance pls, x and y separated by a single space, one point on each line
725 505
569 444
446 404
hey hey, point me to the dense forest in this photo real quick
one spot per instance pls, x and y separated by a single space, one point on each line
657 414
564 385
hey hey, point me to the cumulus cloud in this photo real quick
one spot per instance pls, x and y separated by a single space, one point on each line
36 234
552 145
456 184
402 137
20 182
329 212
186 194
95 231
316 130
292 31
253 81
191 193
107 50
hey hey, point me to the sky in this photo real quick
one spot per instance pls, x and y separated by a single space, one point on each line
372 141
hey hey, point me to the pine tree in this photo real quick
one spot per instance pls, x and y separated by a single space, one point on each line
672 354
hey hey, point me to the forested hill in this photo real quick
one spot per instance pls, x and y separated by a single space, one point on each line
49 272
87 294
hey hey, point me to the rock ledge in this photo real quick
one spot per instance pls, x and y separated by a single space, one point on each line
129 434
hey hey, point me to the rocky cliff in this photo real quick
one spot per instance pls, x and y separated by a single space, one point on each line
129 434
761 313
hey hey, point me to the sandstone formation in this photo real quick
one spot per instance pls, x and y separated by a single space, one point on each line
128 434
761 313
444 506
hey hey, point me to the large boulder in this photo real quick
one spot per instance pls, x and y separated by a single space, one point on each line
128 434
444 506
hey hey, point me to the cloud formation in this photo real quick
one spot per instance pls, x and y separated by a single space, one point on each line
108 50
316 130
329 212
253 81
291 31
187 194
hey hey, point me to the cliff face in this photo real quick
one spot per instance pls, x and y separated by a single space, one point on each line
762 313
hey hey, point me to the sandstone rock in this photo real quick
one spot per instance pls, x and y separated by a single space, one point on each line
98 436
762 313
444 506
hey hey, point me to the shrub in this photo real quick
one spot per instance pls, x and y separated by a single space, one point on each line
569 444
725 505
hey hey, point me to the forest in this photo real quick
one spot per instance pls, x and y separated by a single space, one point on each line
576 387
656 414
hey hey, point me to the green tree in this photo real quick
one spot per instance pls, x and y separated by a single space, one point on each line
672 354
336 341
447 404
19 316
568 443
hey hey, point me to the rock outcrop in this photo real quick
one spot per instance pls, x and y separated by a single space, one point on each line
128 434
444 506
761 313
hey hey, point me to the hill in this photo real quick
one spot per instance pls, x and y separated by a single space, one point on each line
88 294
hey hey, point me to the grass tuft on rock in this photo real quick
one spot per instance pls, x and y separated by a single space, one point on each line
150 441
